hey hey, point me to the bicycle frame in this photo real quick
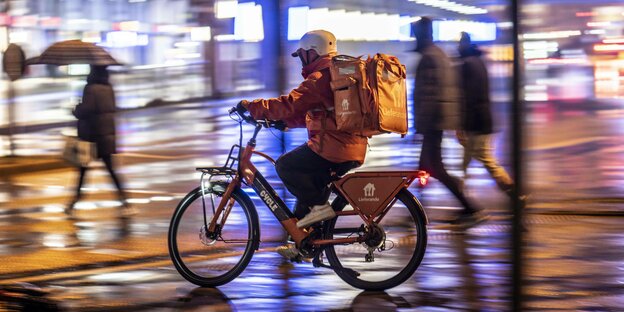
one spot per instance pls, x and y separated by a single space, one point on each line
379 190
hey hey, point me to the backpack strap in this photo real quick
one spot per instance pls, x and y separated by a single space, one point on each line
388 60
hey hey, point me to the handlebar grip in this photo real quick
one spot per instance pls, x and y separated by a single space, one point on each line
248 118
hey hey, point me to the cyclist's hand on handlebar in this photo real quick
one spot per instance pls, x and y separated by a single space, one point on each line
241 110
241 107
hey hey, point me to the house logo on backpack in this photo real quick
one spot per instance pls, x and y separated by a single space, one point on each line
345 105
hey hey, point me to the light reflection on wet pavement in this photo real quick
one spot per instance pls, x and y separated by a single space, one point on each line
101 263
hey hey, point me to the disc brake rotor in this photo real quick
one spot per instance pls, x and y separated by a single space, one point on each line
206 238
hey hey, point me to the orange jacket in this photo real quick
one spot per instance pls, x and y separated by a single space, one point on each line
311 105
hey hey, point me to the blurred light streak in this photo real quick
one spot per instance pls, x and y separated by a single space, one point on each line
53 208
452 6
504 25
110 203
340 22
226 9
86 224
200 34
559 61
172 29
49 22
25 21
608 47
298 22
449 30
225 37
131 276
78 69
5 19
598 24
535 88
85 206
186 44
130 26
595 32
79 21
138 201
19 36
4 38
161 198
248 25
124 39
552 34
91 36
586 14
608 75
536 97
613 40
188 55
54 240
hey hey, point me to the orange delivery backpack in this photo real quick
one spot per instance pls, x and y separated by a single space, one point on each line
370 96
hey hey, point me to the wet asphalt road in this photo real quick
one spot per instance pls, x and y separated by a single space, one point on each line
101 263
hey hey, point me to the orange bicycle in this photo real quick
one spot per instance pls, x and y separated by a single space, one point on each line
376 241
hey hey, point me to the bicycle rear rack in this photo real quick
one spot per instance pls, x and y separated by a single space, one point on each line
226 170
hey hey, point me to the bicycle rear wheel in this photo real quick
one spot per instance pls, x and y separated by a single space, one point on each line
212 262
403 234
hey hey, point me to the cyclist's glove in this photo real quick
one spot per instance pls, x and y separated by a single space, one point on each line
240 107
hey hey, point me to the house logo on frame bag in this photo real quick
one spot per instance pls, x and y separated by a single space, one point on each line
369 193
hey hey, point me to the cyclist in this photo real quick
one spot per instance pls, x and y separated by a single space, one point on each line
306 171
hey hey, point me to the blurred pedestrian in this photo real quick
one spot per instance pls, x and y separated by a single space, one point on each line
477 125
96 123
436 109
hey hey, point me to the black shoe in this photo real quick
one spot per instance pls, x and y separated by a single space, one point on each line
468 220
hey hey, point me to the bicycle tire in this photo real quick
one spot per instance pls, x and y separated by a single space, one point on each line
417 213
182 265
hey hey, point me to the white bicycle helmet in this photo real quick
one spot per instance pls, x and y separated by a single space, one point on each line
321 41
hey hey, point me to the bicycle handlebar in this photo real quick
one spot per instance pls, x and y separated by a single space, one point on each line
276 124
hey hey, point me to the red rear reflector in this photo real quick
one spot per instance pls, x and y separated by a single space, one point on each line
423 177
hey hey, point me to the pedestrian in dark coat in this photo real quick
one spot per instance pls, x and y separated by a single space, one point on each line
476 136
96 123
436 109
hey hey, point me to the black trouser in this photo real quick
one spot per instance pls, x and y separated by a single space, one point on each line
307 176
107 159
431 161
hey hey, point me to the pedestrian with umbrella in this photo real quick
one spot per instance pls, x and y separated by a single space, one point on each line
96 112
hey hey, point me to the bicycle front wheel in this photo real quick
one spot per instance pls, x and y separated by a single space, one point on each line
397 247
207 260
